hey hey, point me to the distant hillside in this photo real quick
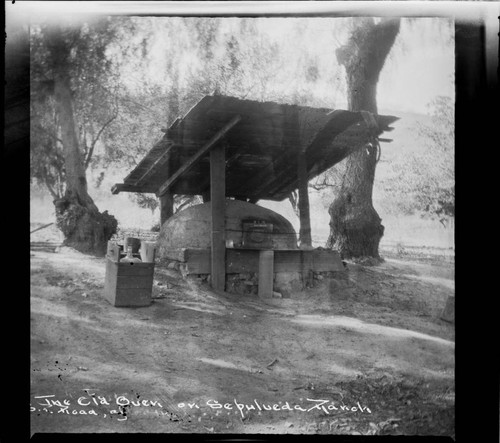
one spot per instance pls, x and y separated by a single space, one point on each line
406 139
404 135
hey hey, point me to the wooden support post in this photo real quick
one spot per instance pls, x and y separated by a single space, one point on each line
218 201
305 218
266 273
307 268
166 207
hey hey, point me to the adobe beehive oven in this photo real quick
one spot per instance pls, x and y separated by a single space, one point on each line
228 148
190 228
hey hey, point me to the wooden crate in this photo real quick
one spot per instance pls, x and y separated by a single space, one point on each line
128 284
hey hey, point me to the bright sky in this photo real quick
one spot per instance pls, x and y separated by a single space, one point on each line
420 67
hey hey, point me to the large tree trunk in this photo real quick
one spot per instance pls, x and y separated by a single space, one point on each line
76 181
77 216
355 226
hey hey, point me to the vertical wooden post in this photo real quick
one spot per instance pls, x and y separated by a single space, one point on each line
307 262
304 215
266 274
218 209
166 207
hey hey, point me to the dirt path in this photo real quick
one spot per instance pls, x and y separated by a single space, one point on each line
364 356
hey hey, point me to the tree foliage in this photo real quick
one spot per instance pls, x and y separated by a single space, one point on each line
79 52
196 57
69 114
132 76
424 182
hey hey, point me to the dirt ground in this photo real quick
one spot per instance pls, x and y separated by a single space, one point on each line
368 355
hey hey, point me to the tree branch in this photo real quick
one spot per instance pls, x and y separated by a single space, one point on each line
92 145
51 190
318 186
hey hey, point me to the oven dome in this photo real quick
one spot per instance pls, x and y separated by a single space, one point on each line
190 228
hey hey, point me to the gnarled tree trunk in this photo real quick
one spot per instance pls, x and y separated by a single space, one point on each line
355 226
77 216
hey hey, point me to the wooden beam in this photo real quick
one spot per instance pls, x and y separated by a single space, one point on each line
203 150
172 127
266 274
42 227
125 187
218 209
307 267
116 188
158 163
166 207
158 146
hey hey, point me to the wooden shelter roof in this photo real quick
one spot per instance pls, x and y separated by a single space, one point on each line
262 142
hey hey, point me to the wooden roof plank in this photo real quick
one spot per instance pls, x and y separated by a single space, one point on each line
336 124
150 157
203 150
124 187
155 167
261 153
